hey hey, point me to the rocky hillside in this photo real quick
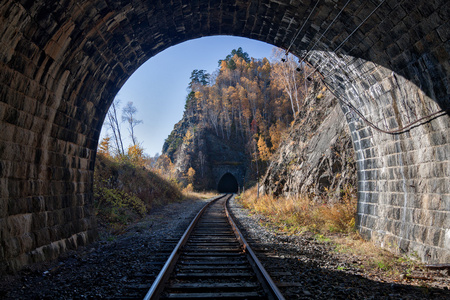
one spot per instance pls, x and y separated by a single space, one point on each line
262 119
316 158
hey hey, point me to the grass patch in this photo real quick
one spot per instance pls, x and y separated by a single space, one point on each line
300 213
329 223
372 258
192 195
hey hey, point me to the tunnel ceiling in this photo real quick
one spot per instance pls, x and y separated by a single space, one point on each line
63 62
90 48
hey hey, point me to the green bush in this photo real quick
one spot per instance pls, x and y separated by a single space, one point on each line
118 206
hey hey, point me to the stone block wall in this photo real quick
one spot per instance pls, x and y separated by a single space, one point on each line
397 73
403 177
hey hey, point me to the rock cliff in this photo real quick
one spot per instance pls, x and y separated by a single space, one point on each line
316 158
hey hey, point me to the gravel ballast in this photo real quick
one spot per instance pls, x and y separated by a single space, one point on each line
304 268
124 266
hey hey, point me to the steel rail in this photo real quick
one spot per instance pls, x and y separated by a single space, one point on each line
158 285
273 290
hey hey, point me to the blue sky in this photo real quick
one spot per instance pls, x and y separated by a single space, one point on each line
158 88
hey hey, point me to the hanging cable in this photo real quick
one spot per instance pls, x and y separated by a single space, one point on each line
300 30
326 30
403 129
346 39
353 32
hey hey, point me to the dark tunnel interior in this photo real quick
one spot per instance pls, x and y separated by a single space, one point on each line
228 184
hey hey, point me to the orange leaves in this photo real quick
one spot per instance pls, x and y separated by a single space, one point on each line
264 152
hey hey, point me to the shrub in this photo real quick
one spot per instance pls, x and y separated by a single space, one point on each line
124 192
116 206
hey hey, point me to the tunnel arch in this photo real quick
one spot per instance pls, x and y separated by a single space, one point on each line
62 63
228 184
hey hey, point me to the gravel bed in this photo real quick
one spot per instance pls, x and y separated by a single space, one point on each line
115 267
306 269
124 266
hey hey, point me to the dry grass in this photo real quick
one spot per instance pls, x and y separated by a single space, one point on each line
191 195
374 259
300 213
329 222
124 193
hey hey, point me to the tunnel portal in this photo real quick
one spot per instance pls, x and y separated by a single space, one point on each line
63 62
228 184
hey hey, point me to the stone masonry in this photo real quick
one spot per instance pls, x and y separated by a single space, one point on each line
62 63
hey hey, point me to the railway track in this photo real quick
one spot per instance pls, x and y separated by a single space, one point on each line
212 260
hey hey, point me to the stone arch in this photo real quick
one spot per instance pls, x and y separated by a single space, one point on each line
228 184
62 63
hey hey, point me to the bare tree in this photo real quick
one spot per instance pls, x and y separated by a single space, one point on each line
114 125
129 115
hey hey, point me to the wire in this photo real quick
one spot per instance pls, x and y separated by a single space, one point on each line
346 39
403 129
300 30
335 18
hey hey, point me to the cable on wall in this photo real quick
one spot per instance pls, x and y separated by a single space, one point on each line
353 32
300 30
403 129
326 30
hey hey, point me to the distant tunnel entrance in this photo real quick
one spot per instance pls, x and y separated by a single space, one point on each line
228 184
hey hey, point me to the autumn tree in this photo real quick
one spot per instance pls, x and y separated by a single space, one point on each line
264 152
104 146
285 74
190 175
165 167
136 155
230 59
275 131
246 100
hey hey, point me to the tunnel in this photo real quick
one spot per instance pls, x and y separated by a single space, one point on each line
228 184
63 62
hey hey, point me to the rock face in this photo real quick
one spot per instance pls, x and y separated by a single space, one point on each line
211 156
317 157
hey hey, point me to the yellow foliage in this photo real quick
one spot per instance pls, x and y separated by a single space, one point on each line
188 189
276 132
188 138
264 152
104 146
136 155
190 175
